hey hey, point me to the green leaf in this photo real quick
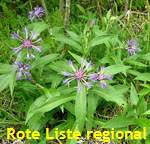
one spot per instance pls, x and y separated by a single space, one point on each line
4 81
8 114
108 15
38 103
144 122
12 81
133 95
70 42
81 9
147 141
37 122
114 69
73 35
119 122
57 79
100 122
141 105
146 85
143 77
122 88
144 91
76 57
91 109
146 56
147 112
136 63
60 66
140 76
54 92
66 90
42 105
38 26
99 40
111 94
97 31
70 107
133 72
62 127
28 88
80 107
44 60
5 68
47 92
74 128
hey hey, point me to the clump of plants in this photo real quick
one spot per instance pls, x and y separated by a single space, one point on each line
79 77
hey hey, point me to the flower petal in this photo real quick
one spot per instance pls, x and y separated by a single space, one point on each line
103 84
37 48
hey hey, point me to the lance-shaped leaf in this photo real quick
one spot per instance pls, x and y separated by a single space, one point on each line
114 69
91 109
12 81
63 127
42 105
120 121
4 81
111 94
5 68
44 60
74 128
70 42
38 26
80 107
133 95
99 40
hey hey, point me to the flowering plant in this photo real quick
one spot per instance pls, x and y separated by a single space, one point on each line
79 78
27 43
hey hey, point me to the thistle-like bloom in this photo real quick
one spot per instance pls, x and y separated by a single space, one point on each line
101 76
133 44
27 43
79 74
38 12
22 70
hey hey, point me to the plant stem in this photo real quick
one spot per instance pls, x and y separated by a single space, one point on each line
98 8
46 11
67 14
61 7
148 35
125 9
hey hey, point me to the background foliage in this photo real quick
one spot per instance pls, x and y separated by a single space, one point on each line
45 101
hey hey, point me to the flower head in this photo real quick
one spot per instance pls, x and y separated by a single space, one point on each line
100 76
93 22
78 74
22 70
38 12
27 43
132 47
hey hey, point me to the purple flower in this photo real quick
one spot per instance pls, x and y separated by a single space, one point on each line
100 76
133 44
38 12
93 22
27 43
79 74
22 70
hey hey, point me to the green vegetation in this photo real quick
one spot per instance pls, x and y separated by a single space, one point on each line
82 65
